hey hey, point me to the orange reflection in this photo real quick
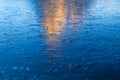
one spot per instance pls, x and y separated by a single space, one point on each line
58 13
54 16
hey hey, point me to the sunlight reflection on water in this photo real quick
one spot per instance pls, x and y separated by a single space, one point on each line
59 39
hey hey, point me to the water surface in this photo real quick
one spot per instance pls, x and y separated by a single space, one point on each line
59 40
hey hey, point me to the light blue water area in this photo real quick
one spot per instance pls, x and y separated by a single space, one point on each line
59 40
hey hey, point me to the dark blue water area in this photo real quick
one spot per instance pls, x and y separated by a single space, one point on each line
59 40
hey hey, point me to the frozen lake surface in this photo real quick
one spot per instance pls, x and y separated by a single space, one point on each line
59 39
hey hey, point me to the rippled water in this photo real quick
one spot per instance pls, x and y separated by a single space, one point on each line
59 40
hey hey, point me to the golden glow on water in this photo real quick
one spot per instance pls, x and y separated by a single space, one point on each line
54 16
58 13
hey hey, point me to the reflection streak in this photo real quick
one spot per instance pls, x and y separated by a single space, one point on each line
54 16
59 13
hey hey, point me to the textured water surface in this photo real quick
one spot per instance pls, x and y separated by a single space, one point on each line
59 40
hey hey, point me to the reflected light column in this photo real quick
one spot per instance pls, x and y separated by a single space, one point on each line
54 19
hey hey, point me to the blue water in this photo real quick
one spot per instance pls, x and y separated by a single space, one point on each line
59 40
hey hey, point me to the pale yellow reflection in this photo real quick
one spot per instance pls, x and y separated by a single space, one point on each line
54 16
